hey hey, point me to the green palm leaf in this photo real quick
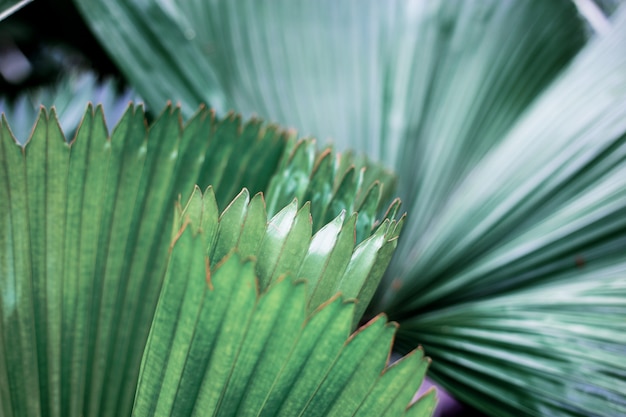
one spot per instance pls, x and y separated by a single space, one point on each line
328 260
87 233
219 347
513 172
550 343
531 254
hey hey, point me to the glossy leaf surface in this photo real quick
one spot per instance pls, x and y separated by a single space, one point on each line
331 260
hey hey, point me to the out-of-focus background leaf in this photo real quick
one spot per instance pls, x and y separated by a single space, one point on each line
523 271
70 96
49 57
44 41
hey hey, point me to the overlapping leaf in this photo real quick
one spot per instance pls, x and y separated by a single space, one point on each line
284 244
549 343
218 346
552 191
536 235
433 89
86 233
365 74
331 184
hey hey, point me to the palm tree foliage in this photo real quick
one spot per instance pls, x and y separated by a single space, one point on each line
88 225
247 354
507 128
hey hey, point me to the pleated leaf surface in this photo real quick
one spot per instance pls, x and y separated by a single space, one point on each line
87 227
521 283
330 260
222 346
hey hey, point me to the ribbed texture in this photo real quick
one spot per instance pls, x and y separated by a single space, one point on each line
219 348
87 229
511 162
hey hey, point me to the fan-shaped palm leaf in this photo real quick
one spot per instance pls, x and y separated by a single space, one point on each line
86 232
218 347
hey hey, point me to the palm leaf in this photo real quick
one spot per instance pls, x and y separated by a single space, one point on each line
561 344
368 75
531 254
86 235
550 191
509 189
219 347
329 260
